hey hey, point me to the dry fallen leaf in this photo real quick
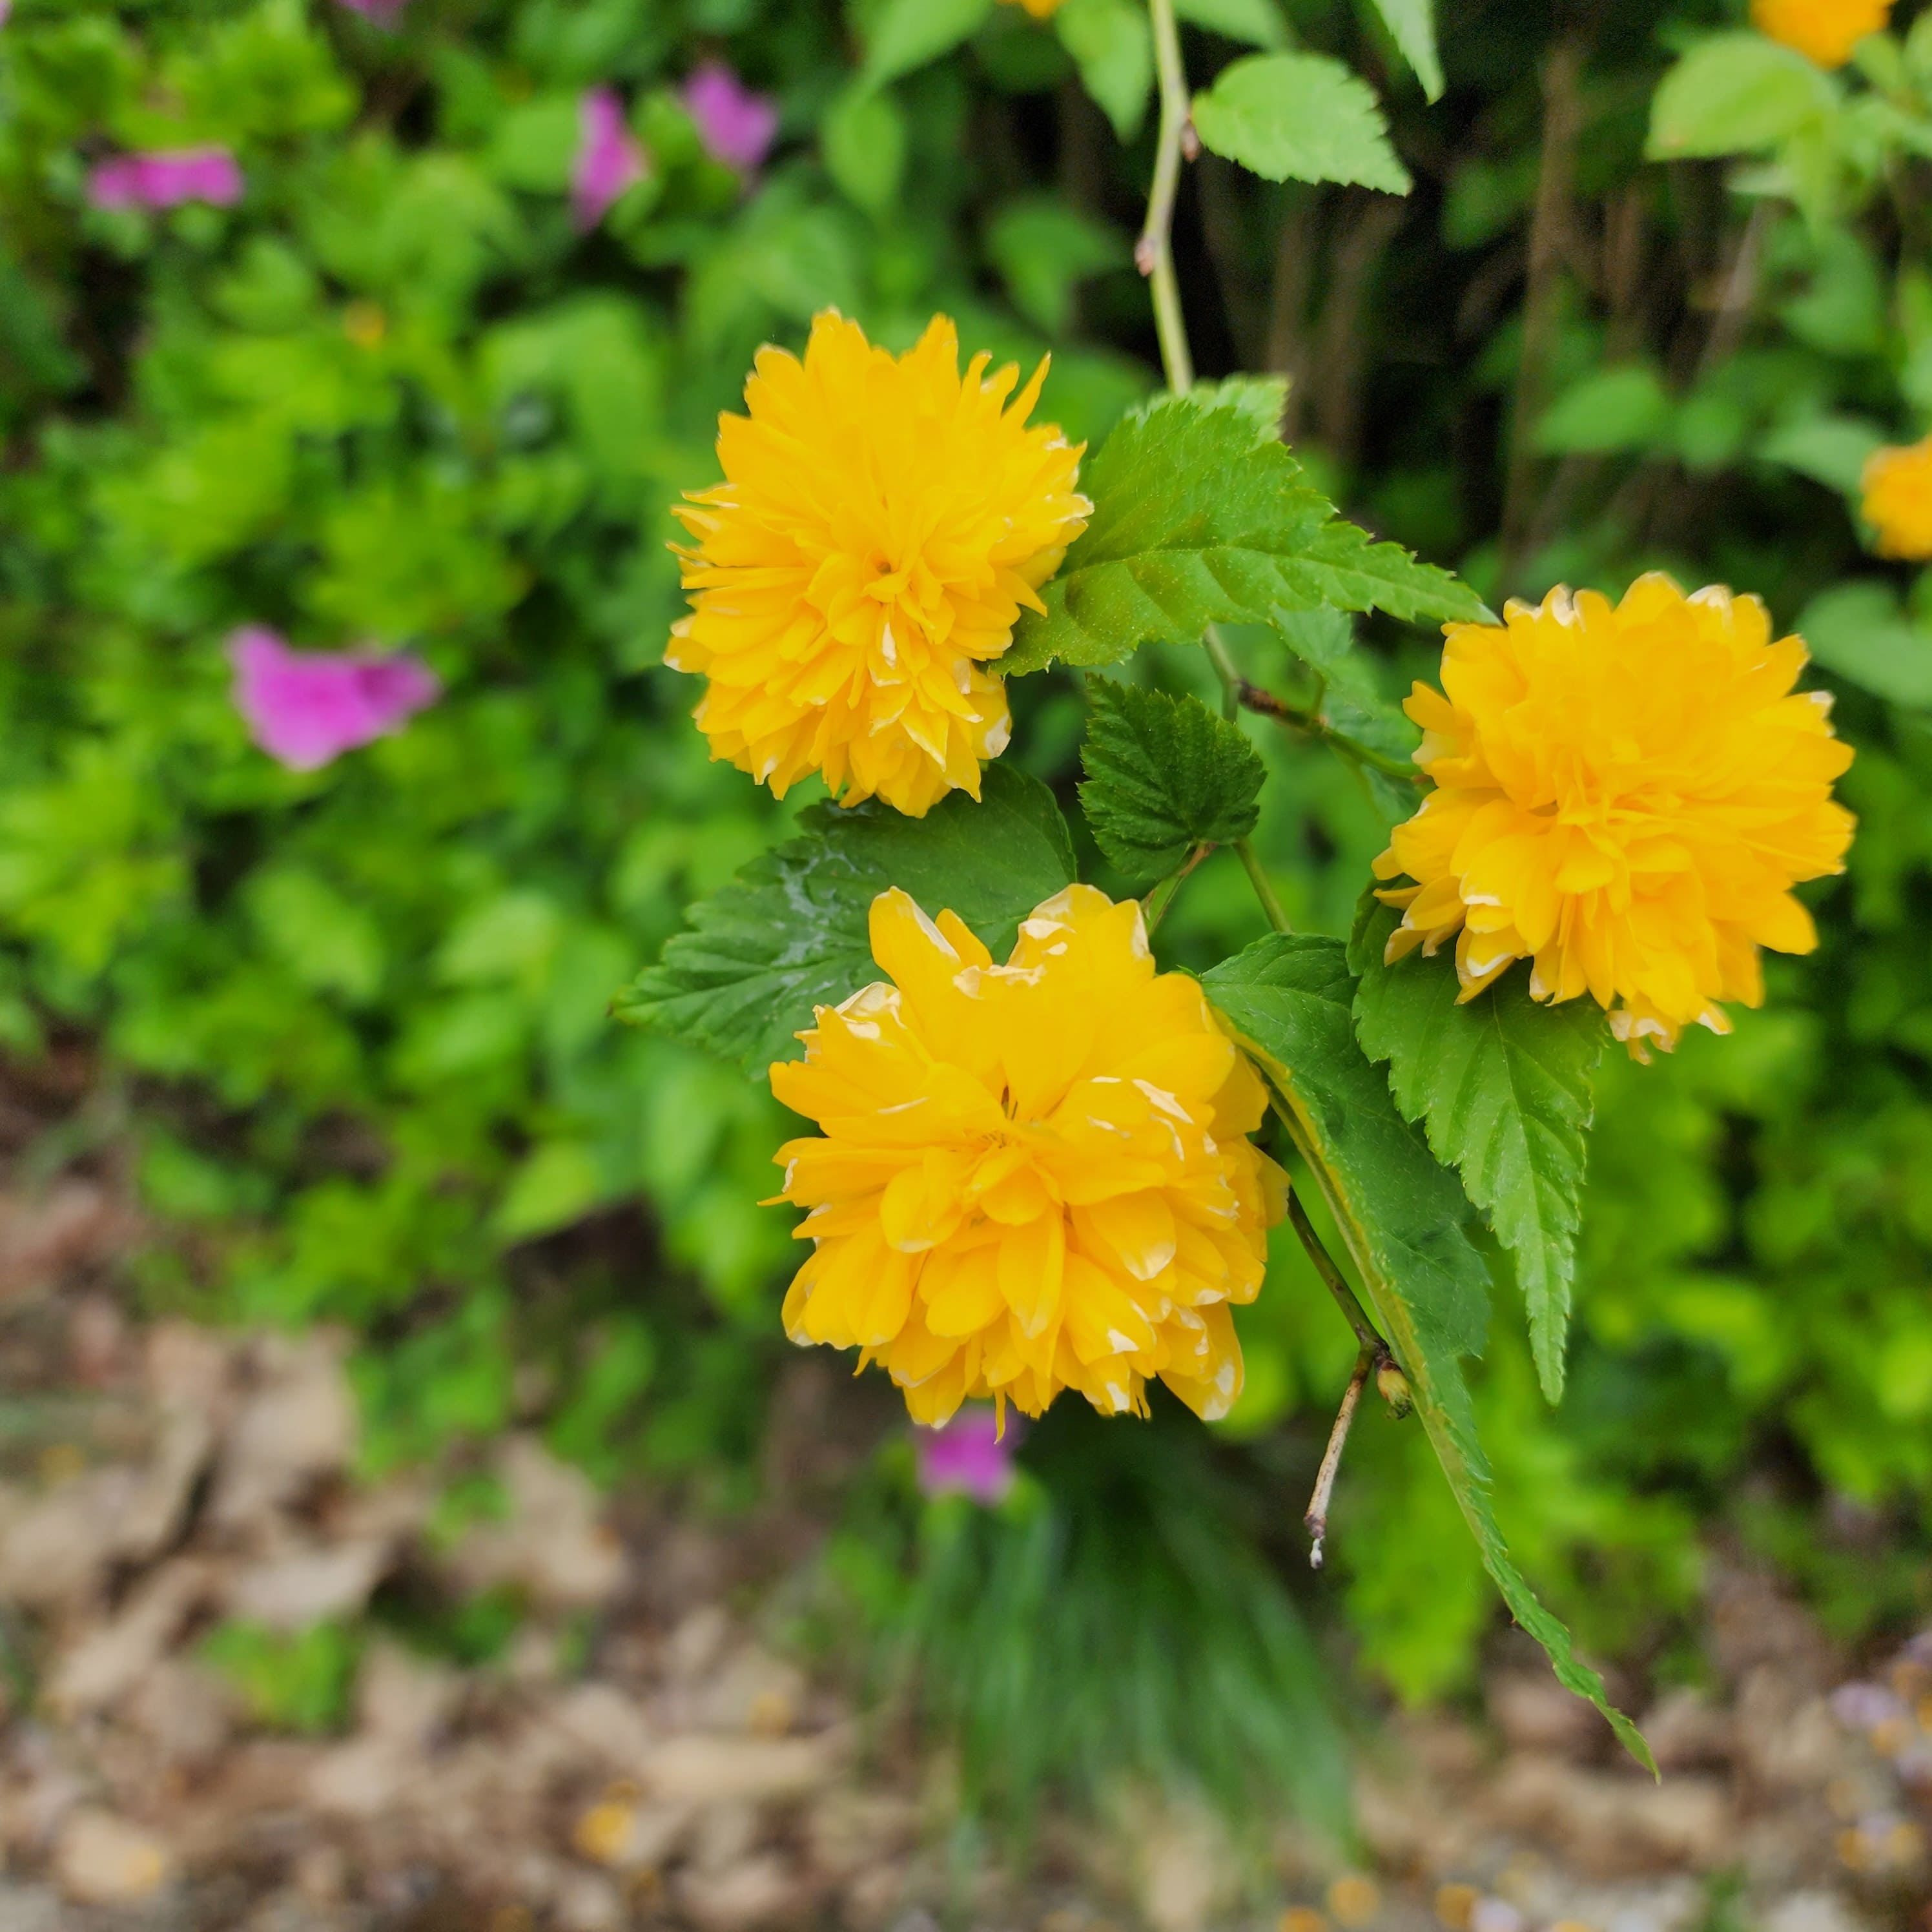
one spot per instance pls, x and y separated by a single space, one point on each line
101 1859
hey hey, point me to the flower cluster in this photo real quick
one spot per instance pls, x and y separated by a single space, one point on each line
608 160
1898 499
1032 1177
306 708
883 522
1624 796
166 177
1824 30
735 125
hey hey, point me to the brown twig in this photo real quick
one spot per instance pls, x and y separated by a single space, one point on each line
1253 697
1373 1354
1316 1515
1288 303
1549 244
1366 224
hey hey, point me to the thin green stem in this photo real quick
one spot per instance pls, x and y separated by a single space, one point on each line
1357 1316
1232 683
1271 906
1153 908
1153 254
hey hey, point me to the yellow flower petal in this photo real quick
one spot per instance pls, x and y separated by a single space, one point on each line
1898 499
1824 30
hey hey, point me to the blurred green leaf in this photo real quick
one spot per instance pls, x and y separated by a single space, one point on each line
536 142
1112 47
1043 250
863 139
1258 22
558 1183
1609 409
298 1681
907 34
326 941
1831 449
1858 630
1735 93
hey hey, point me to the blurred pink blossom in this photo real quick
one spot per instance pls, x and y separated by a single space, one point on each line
166 178
608 157
384 13
735 125
304 708
967 1455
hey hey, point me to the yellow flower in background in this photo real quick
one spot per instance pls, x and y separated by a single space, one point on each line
1824 30
1625 795
1042 9
1898 499
882 524
1033 1176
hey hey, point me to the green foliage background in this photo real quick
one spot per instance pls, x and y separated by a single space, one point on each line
356 1019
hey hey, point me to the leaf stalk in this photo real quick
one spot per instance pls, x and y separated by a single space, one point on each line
1271 906
1356 1315
1153 908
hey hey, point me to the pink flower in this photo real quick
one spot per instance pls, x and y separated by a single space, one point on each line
384 13
304 708
608 158
735 125
166 178
966 1456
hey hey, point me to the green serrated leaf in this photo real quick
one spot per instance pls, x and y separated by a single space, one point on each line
1263 400
1289 1000
1299 117
908 34
789 933
1411 24
1200 519
1164 775
1114 50
1502 1085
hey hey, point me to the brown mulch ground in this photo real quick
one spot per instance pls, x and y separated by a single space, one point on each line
641 1754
